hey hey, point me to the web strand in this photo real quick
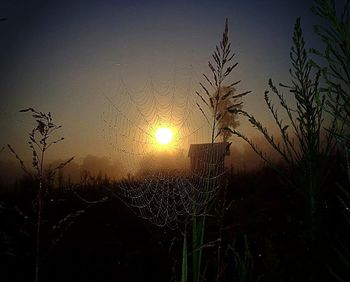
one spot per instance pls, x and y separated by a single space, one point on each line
163 191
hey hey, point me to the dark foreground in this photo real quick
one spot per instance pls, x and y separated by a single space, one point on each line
262 225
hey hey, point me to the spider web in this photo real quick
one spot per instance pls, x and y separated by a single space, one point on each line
161 186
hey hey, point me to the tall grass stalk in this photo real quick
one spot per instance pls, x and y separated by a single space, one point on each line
218 103
39 142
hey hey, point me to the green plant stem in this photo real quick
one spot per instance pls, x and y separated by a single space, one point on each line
201 244
198 229
184 272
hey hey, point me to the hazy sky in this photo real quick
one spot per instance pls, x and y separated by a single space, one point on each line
66 56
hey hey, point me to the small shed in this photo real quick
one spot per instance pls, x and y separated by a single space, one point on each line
208 157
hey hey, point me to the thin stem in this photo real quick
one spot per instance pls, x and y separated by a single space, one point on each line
38 228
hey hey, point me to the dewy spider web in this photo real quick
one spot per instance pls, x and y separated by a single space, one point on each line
160 184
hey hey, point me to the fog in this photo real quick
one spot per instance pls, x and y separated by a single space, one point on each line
10 171
241 158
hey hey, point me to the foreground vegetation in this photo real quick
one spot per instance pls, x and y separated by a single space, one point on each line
88 240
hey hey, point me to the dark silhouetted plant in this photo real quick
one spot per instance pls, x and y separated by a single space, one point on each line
302 147
335 35
40 140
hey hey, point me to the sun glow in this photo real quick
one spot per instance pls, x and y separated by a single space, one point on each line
164 135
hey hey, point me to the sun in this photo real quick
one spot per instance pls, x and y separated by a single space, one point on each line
164 135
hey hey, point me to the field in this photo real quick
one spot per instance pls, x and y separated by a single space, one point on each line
106 241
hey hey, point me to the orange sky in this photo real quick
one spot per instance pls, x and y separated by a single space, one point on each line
67 58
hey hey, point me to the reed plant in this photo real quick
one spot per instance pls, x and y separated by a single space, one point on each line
216 99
